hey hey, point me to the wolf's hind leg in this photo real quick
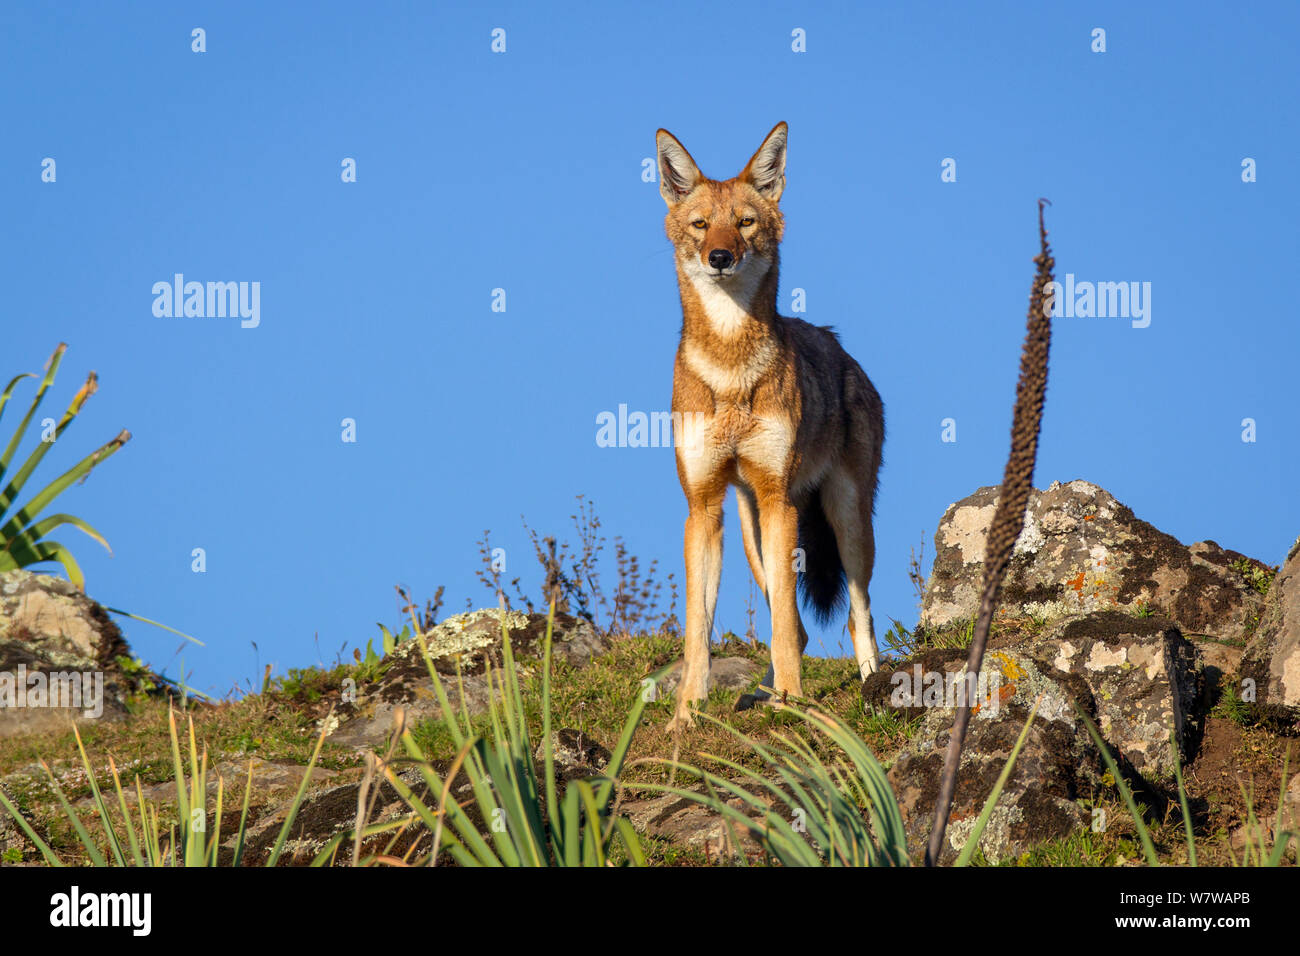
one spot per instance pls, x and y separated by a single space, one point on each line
846 500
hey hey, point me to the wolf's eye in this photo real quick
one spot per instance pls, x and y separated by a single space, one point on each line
699 224
747 221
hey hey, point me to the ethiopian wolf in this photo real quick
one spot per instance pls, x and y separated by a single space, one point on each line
774 406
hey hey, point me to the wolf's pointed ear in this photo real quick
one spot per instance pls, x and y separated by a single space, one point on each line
765 170
678 173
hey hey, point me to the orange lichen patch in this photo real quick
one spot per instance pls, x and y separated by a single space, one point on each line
1004 694
1012 671
1008 667
1095 586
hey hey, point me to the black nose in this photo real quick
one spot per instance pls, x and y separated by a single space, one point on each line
721 259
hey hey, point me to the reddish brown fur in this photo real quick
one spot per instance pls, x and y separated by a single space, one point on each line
787 416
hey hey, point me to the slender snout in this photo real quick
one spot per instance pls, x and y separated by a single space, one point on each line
721 259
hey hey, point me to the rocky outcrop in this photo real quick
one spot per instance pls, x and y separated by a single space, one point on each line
60 657
463 644
1098 608
1145 682
1082 551
1137 679
1057 766
1272 659
1103 605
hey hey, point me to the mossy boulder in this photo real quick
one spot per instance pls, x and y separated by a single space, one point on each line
1081 550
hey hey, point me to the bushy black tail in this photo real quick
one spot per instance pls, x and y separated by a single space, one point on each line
821 583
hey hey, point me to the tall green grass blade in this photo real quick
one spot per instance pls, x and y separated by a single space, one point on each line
28 512
4 400
242 833
631 842
478 851
182 789
11 491
1282 836
548 747
33 535
23 557
51 369
146 620
137 856
274 858
97 799
88 844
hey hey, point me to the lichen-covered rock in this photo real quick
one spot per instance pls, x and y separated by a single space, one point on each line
460 645
59 656
1144 678
1272 659
1057 766
1135 678
1081 551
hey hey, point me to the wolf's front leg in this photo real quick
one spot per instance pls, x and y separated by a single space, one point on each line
780 527
703 552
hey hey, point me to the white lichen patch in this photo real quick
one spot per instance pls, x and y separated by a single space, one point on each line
1031 535
1150 658
1047 610
968 531
996 837
1064 653
471 631
1052 702
1103 657
941 613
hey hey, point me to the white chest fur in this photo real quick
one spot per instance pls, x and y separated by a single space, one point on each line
725 378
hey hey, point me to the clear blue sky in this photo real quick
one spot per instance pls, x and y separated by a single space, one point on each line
522 171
